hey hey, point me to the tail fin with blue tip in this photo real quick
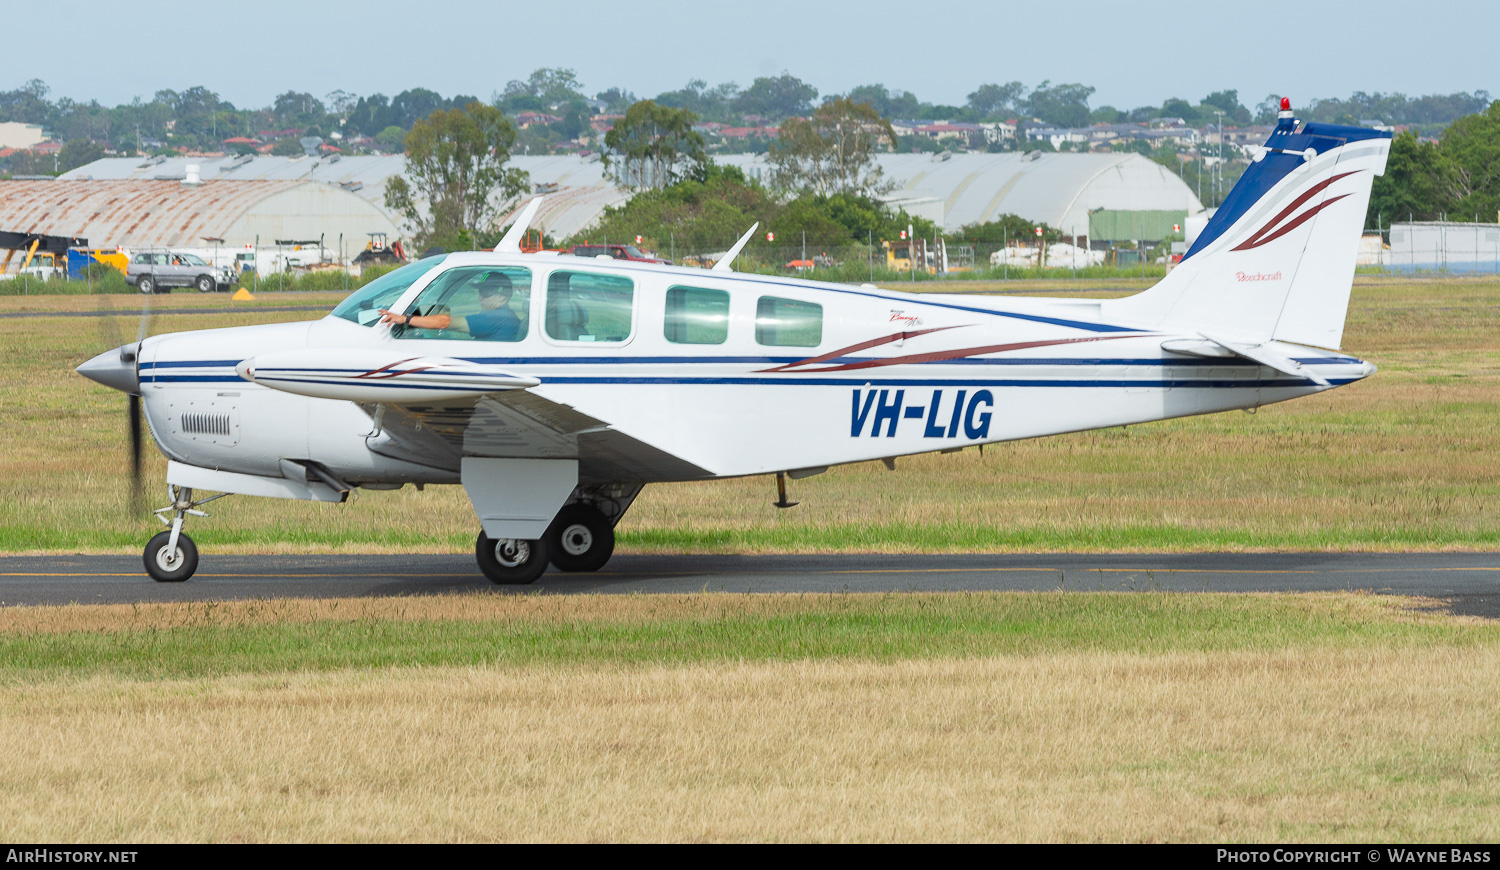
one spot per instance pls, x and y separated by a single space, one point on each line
1276 261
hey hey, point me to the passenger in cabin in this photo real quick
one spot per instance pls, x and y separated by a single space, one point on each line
494 321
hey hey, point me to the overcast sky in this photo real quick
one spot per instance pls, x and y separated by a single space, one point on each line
249 52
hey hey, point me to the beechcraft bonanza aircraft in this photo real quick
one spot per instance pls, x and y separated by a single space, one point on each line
553 387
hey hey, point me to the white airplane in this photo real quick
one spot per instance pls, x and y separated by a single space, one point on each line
553 387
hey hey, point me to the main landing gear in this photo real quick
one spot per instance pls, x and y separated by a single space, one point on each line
510 561
171 556
580 538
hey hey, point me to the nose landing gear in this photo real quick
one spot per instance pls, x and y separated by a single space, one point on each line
171 556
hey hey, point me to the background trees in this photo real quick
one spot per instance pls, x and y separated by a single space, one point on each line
1458 176
654 146
779 97
833 151
1061 105
997 101
456 160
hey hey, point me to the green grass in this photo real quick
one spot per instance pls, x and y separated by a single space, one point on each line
208 642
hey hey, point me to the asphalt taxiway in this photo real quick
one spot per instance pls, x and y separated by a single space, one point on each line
1469 581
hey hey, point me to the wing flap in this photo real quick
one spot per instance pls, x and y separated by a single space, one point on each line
521 425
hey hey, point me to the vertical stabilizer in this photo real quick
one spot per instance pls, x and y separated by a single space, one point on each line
1277 259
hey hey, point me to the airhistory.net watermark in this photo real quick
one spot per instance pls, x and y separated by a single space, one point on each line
66 856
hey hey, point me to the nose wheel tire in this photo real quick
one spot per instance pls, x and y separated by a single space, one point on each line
508 561
174 566
580 539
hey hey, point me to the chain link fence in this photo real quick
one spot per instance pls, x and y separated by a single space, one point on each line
875 263
1431 248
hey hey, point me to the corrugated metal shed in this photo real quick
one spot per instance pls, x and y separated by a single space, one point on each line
1059 189
151 213
582 195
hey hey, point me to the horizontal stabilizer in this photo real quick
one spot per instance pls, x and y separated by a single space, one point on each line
1217 347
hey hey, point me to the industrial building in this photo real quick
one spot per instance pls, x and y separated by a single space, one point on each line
1056 189
579 189
162 213
951 189
1441 246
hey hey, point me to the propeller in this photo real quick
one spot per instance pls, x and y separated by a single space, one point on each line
109 330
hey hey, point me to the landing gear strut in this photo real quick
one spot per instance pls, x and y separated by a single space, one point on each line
171 556
509 561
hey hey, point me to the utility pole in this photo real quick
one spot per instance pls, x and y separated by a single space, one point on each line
1219 167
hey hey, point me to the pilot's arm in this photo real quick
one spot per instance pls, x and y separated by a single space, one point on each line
417 321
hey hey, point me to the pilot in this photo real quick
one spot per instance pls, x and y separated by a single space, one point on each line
494 321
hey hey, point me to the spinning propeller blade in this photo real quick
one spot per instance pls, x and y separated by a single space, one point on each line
136 493
109 333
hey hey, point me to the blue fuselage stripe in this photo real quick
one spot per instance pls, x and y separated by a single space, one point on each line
1173 383
731 360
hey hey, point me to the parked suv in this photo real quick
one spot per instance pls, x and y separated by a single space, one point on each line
617 252
156 271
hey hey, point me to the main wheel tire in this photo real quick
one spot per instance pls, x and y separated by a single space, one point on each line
204 283
173 567
580 539
508 561
146 284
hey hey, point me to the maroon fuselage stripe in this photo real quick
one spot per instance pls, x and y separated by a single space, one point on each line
957 353
856 348
384 372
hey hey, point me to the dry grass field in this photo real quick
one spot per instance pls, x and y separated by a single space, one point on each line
1050 717
1402 460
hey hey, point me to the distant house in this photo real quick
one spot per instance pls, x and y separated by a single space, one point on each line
945 130
748 132
14 134
604 123
526 119
998 131
241 140
279 134
1108 134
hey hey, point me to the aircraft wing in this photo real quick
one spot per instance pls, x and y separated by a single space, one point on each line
436 410
518 424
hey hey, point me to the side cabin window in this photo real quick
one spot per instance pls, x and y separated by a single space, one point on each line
473 303
588 306
697 316
788 322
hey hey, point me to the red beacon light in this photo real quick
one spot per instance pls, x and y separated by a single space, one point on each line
1286 108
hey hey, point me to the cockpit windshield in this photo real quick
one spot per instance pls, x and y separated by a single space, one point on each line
363 305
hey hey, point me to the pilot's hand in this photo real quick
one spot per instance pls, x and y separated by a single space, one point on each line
388 316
